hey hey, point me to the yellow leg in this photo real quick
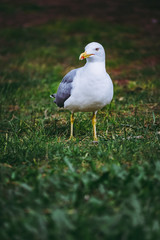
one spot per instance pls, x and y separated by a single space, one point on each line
95 139
72 121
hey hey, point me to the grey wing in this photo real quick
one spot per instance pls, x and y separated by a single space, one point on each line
64 89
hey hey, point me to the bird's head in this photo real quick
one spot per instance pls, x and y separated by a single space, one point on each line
94 52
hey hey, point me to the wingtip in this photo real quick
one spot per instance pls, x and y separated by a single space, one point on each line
53 95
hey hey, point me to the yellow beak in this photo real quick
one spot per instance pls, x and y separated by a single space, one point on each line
84 55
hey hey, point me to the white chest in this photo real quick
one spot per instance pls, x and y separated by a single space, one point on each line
91 90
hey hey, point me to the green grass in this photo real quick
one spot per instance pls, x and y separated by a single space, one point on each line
52 188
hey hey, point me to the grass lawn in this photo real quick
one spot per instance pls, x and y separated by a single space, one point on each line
52 188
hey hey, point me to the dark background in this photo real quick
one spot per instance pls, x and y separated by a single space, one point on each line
25 13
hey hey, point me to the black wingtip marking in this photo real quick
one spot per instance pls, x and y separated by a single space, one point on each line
53 95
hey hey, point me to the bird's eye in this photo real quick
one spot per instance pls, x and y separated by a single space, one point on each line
97 49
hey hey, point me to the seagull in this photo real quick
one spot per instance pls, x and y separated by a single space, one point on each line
88 88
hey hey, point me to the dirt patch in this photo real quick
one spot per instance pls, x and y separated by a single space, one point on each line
122 82
151 61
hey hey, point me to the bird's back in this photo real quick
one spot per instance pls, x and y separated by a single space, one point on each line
64 89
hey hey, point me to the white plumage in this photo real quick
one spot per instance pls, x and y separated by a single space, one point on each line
92 89
86 89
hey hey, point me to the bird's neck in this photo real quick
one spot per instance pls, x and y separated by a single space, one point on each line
95 67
